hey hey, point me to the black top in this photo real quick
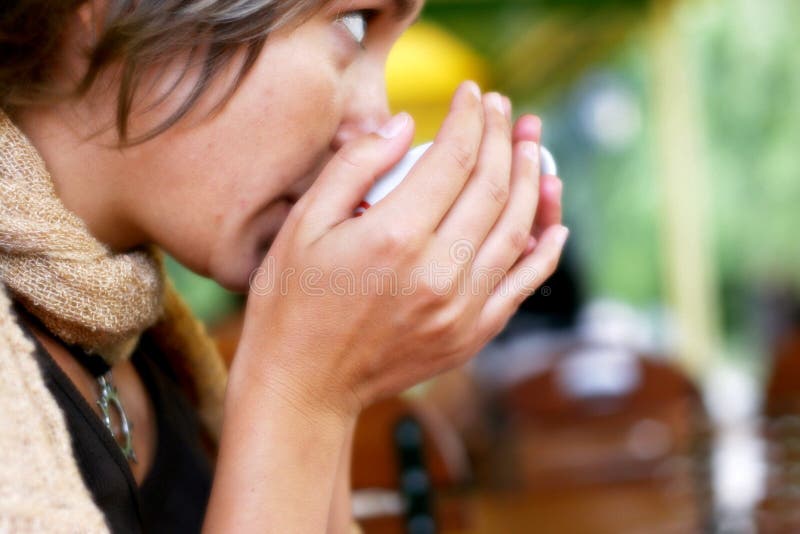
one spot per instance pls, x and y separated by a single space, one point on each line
174 494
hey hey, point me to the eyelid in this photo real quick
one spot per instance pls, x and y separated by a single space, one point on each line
367 14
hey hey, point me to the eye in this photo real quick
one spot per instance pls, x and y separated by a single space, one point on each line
357 23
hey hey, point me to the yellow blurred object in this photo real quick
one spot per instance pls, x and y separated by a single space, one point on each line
424 69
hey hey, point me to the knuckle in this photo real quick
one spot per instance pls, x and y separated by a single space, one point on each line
352 155
396 239
499 125
462 157
498 191
518 239
434 291
444 325
427 296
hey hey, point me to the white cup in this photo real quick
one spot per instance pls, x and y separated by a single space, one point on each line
386 183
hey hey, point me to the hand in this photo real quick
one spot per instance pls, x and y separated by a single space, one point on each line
549 212
362 308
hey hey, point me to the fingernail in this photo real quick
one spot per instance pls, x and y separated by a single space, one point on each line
496 102
507 106
555 185
530 150
473 88
394 127
562 235
533 124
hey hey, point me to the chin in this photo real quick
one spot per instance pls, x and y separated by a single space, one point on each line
233 267
235 276
239 286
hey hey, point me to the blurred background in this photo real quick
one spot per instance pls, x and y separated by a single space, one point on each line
653 385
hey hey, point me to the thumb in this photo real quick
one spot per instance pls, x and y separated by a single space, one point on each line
351 173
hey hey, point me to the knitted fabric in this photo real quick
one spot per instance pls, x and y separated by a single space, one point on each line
51 263
41 489
88 296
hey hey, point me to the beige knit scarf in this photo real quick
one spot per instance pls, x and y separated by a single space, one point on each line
85 295
51 263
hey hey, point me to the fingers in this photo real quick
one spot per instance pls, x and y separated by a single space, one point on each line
509 238
486 193
507 106
352 172
528 128
524 279
438 178
549 211
550 205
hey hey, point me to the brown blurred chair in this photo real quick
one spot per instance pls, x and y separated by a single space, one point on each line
779 510
783 385
409 470
603 441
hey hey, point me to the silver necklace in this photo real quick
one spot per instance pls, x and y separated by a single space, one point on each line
109 398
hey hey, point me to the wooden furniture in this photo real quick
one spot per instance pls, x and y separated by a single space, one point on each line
625 453
409 470
779 510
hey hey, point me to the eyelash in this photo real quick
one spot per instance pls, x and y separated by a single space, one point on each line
368 15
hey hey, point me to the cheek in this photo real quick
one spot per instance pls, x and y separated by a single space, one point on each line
275 131
300 105
282 122
279 123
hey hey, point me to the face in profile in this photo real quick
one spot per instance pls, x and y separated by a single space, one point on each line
214 189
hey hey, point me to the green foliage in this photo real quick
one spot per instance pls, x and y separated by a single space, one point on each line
745 55
749 54
207 299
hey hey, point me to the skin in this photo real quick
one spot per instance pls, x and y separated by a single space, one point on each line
271 181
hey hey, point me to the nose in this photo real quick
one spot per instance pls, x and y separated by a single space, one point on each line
365 109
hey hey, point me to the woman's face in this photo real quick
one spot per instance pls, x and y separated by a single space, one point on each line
214 191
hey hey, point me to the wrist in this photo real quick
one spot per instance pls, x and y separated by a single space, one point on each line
269 435
257 376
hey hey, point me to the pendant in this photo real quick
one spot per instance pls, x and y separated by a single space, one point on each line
108 398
